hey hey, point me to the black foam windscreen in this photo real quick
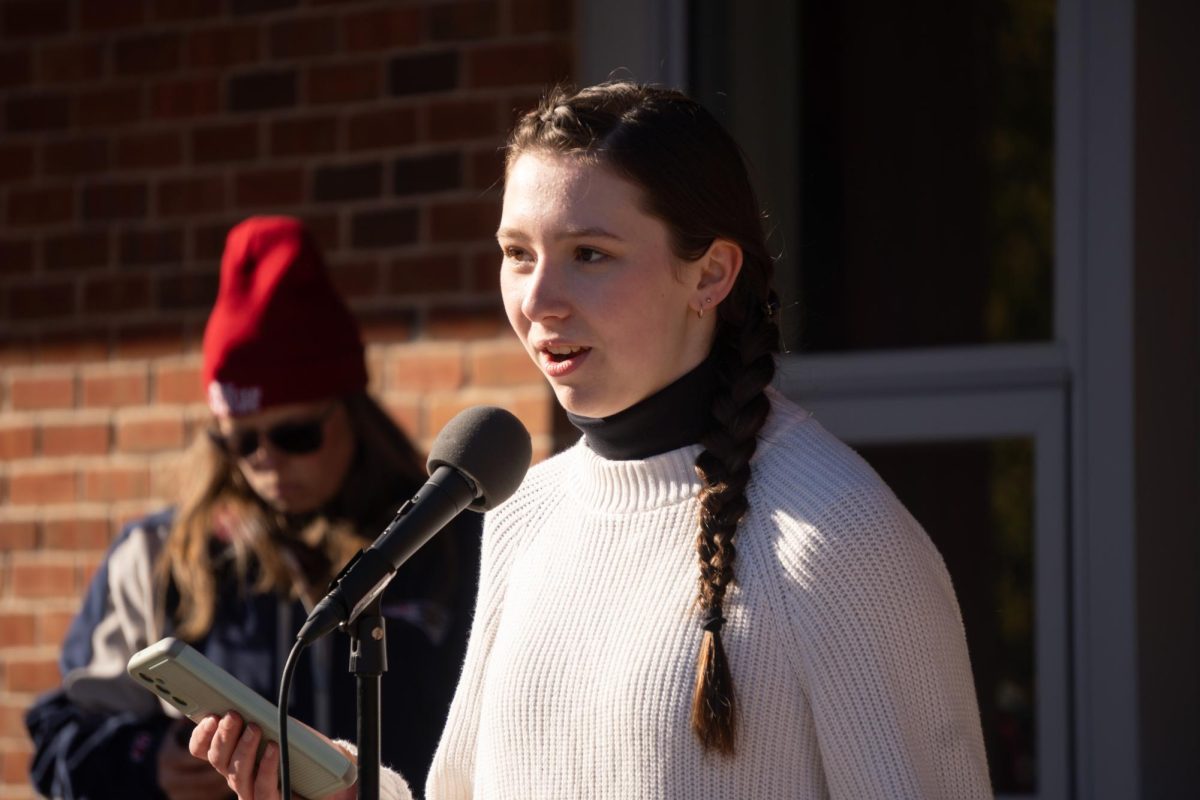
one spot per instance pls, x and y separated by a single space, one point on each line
489 446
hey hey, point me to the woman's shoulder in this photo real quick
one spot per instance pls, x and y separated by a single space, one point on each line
824 500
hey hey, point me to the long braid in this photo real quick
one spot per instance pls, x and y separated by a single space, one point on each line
693 178
743 353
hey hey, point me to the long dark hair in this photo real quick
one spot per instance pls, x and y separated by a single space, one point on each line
693 178
384 470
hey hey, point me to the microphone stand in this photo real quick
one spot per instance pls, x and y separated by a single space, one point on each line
368 662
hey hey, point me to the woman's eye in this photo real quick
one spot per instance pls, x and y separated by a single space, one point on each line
589 256
516 254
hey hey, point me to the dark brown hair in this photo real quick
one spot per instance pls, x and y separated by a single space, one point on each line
693 178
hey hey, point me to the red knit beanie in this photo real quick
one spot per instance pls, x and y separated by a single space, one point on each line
279 332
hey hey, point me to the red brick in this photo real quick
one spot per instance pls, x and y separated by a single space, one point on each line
40 111
533 407
304 136
76 534
463 324
471 20
150 340
150 434
150 54
389 128
71 347
16 162
17 629
16 68
464 222
35 17
225 143
42 300
107 15
324 229
75 439
190 291
502 364
176 10
41 487
16 256
42 206
113 388
208 240
107 107
53 625
70 63
115 483
303 38
356 279
383 28
188 97
513 65
406 414
462 119
217 48
153 149
18 535
269 188
30 676
344 83
75 157
150 246
177 385
423 275
38 392
485 273
119 294
538 16
114 200
14 768
76 250
389 325
425 368
16 441
188 196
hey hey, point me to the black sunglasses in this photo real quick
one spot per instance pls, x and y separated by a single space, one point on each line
293 438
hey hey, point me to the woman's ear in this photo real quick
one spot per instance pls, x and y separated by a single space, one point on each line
719 269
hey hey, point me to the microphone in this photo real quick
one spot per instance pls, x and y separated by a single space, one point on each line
477 461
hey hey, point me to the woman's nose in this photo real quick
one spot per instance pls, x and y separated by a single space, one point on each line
546 293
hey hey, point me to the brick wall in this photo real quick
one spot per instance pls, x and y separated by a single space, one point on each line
133 133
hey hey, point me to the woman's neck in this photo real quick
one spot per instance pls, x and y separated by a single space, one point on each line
675 416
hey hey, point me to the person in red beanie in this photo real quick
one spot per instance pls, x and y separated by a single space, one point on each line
297 470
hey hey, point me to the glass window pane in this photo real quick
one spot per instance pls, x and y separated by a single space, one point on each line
975 499
921 185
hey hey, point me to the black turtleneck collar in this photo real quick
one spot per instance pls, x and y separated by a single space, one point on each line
673 417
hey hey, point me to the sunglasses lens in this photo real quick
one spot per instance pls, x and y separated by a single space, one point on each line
244 444
297 438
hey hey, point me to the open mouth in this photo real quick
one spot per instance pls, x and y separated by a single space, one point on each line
559 360
561 354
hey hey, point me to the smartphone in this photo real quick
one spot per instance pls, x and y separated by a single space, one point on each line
183 677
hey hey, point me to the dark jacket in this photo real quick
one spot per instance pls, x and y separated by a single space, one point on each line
98 736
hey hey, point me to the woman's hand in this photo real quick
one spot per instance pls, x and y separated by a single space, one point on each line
182 777
230 746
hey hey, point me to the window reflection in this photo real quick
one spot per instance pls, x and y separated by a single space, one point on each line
975 500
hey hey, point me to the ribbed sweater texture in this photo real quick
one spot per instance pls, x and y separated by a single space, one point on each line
844 638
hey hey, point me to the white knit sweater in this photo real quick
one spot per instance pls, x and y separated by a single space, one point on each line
844 638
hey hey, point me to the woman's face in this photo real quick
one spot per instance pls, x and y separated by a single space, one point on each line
293 483
592 287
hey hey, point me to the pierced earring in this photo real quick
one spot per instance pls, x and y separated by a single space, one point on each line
700 311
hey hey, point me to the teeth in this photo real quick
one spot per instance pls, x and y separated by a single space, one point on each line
556 350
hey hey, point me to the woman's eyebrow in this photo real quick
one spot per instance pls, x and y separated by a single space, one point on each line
568 233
